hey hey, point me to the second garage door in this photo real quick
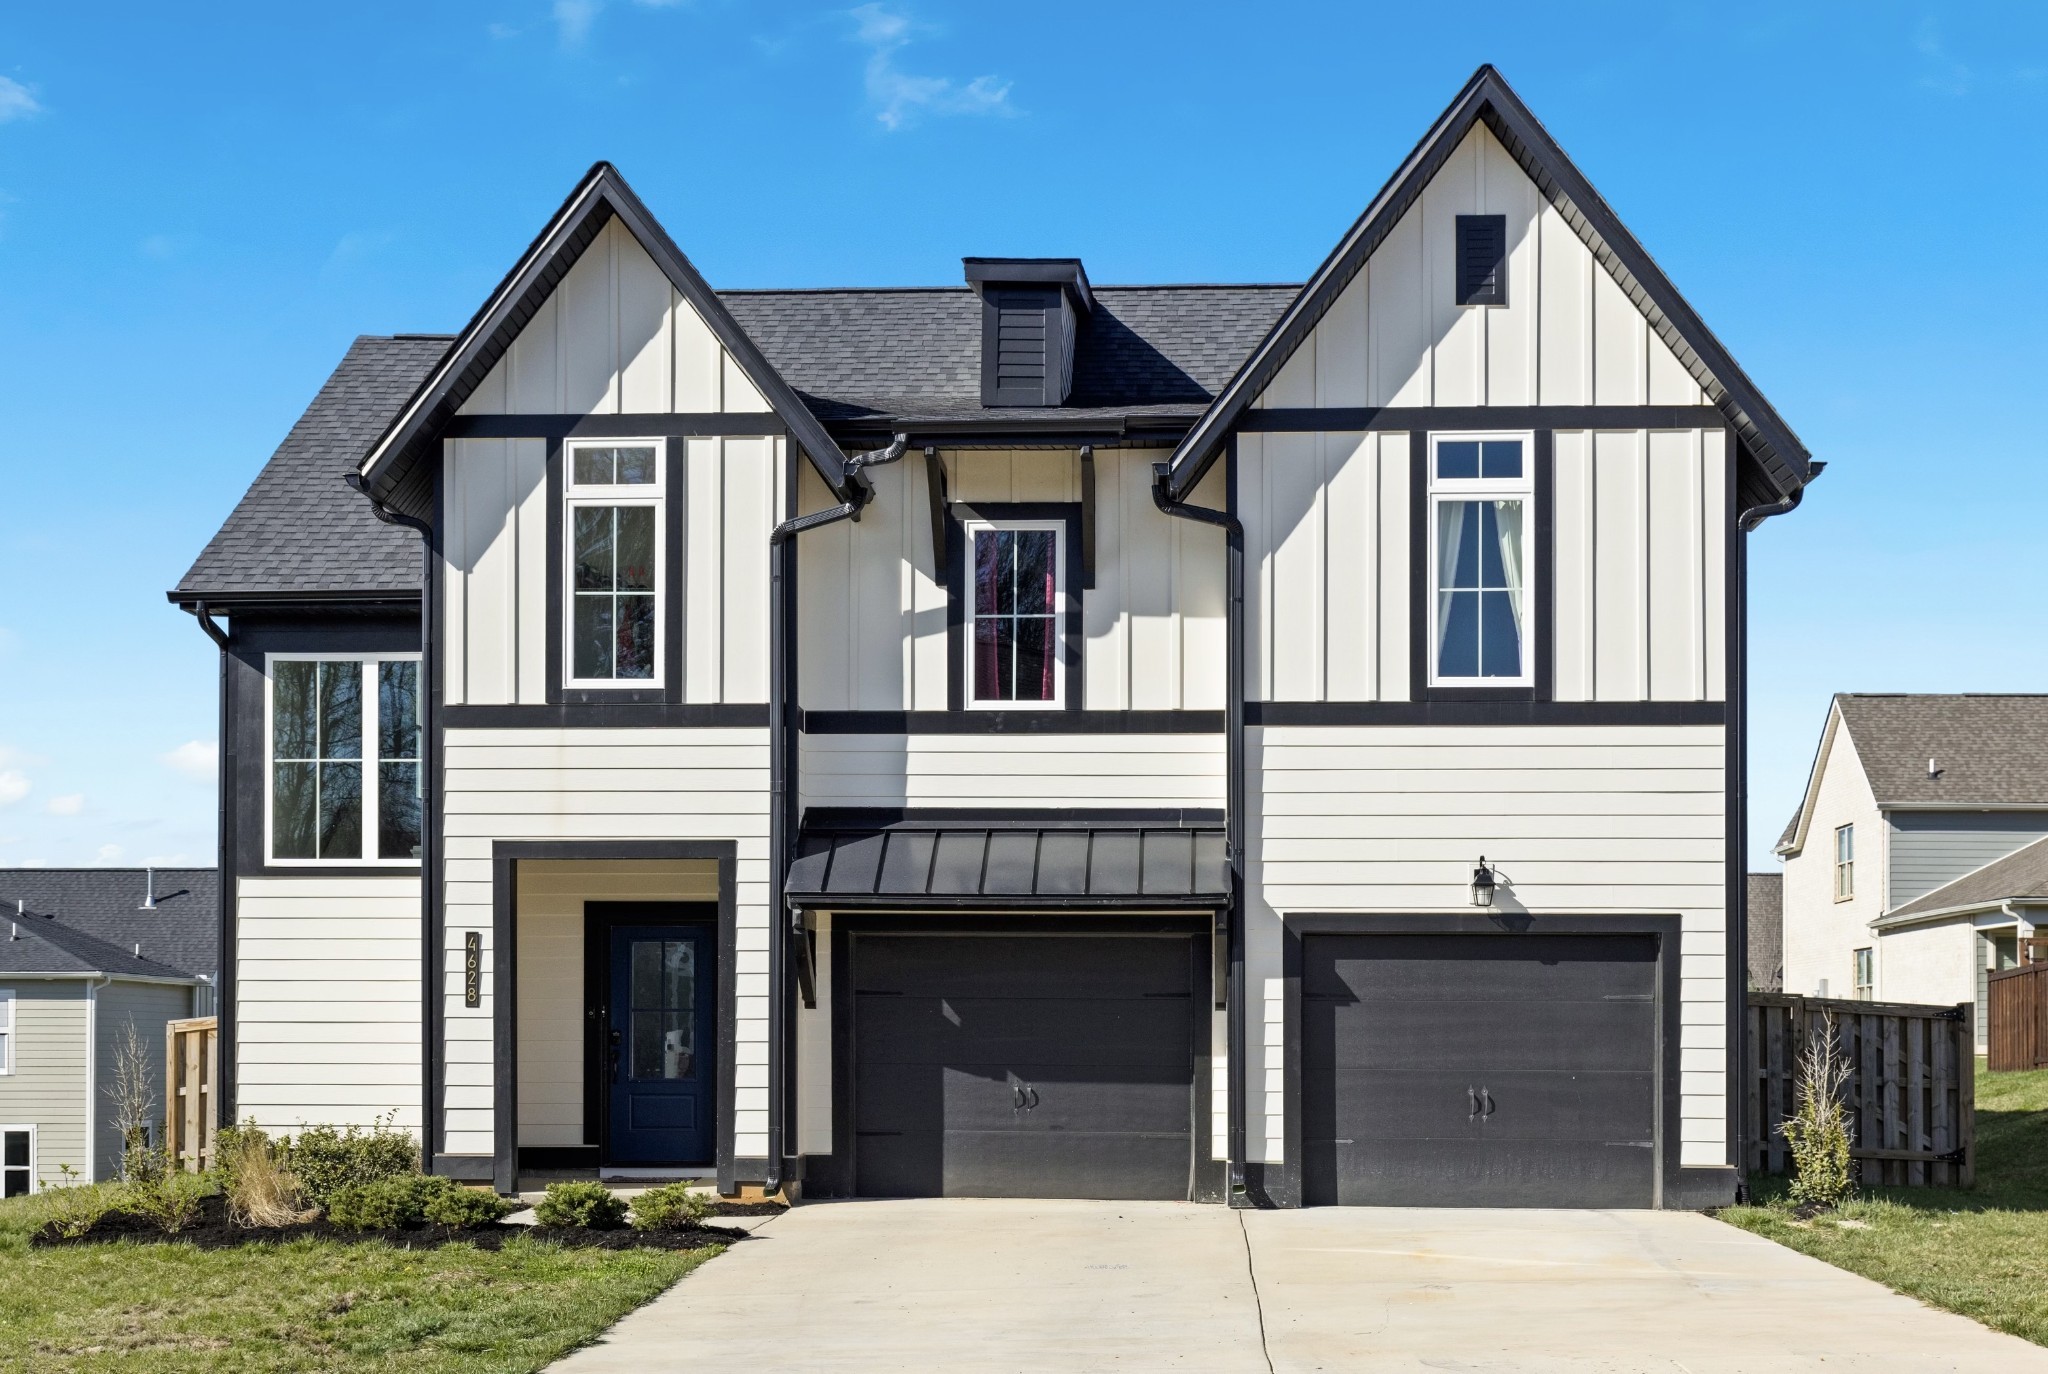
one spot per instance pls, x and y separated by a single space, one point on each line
1479 1070
1024 1066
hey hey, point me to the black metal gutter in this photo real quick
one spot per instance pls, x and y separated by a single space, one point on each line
1239 1193
782 764
430 823
223 829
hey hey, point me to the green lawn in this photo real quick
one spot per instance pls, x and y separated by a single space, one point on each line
1983 1252
310 1305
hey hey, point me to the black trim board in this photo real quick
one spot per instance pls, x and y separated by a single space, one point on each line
1284 1183
1354 419
833 1176
1049 720
960 595
506 855
1522 710
1487 99
652 425
411 439
602 715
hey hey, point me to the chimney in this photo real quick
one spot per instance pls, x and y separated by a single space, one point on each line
1031 310
148 892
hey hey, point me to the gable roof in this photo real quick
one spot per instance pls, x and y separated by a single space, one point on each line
1781 459
89 920
1991 750
393 473
2020 874
298 531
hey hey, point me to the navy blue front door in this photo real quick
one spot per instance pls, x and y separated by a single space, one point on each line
661 1044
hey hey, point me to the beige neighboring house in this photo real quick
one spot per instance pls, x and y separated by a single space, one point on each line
84 954
1918 859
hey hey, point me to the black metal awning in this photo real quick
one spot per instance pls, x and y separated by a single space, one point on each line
863 858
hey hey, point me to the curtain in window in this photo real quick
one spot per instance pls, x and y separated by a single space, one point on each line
1479 580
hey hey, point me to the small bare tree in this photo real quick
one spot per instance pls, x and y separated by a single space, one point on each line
1818 1129
131 1093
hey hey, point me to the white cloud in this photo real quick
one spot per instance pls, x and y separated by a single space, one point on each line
14 786
70 804
108 854
501 31
573 19
16 101
166 861
1944 72
198 759
900 98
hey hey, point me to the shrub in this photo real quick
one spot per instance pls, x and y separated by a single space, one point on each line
326 1160
398 1202
671 1207
590 1205
259 1190
74 1209
467 1207
1818 1129
171 1200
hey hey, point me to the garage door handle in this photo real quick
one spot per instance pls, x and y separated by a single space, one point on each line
1017 1098
1472 1093
1487 1098
1034 1098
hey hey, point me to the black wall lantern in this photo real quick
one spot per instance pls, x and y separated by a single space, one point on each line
1482 884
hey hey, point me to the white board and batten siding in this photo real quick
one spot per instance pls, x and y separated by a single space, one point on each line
327 1012
597 784
1585 820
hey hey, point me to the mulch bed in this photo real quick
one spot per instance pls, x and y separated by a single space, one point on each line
215 1232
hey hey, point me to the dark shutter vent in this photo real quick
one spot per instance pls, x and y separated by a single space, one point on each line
1025 324
1482 260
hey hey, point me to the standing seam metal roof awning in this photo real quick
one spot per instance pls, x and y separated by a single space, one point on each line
1026 862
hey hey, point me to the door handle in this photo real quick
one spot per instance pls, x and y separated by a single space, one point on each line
1487 1098
614 1056
1017 1100
1034 1098
1473 1095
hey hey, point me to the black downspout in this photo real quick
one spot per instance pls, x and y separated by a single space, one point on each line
224 835
1238 1186
782 794
430 810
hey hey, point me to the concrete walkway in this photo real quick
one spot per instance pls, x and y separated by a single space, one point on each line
999 1286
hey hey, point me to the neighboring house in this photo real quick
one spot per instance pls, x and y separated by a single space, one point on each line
86 953
1025 737
1914 866
1767 932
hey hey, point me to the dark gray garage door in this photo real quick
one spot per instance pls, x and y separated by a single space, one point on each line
1479 1070
1024 1066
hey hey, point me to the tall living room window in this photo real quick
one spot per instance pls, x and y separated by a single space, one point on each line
1480 491
344 759
613 527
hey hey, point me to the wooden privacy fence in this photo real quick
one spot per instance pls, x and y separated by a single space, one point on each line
191 1063
2018 1013
1911 1092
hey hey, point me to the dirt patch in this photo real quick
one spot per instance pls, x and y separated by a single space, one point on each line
215 1232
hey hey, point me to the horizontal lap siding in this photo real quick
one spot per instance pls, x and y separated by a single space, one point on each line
327 1010
47 1089
1013 770
565 784
1580 820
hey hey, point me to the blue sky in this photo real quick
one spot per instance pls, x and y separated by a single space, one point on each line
200 206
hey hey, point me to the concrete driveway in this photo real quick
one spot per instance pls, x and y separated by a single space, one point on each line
993 1285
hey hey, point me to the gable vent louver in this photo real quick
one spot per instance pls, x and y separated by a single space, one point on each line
1031 309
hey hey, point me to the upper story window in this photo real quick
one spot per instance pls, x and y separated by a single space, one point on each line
1480 492
1013 644
1845 862
344 759
616 549
6 1030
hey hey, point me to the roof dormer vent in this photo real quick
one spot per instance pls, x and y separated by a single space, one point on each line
1031 310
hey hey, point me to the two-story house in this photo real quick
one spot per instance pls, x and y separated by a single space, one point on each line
1276 744
1918 858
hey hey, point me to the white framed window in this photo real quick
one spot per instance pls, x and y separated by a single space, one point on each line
17 1161
1016 572
1481 498
6 1031
1845 862
1866 973
615 547
342 734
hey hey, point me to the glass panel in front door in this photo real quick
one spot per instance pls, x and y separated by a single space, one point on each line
663 1014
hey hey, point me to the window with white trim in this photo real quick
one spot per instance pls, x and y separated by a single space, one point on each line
6 1030
1481 490
344 749
17 1161
1016 571
1845 862
615 547
1866 972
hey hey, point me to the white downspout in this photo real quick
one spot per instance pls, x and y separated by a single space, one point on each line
92 1064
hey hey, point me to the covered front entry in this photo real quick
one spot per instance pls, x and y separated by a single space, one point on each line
1026 1064
1479 1070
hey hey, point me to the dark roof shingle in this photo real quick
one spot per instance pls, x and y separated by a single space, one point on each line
89 920
1991 750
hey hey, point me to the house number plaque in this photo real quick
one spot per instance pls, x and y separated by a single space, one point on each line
472 969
